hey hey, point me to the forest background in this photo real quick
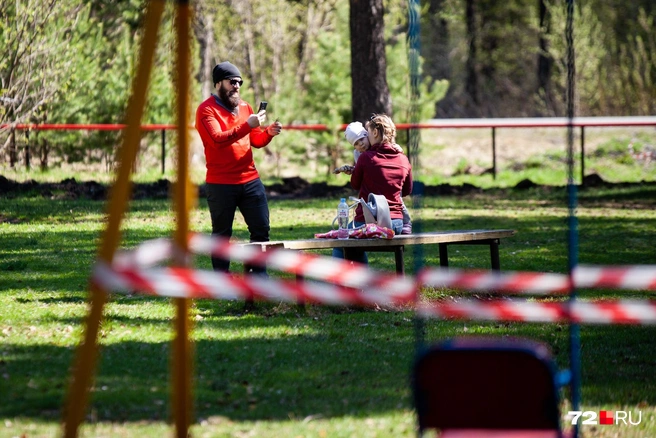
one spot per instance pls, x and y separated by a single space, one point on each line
71 61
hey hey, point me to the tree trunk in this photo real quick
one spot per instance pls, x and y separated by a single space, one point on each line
435 50
28 153
42 150
254 71
471 76
369 89
488 35
204 32
315 20
435 42
544 61
13 154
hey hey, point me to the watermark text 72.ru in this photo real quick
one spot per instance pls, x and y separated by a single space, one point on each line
626 418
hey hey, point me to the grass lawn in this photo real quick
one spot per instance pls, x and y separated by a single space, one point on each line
276 372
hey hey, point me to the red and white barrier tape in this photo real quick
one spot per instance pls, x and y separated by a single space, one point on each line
148 253
638 277
190 283
536 283
601 312
329 269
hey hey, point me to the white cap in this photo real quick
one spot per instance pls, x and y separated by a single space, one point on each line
354 132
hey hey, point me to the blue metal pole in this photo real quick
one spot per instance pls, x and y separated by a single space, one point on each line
574 330
414 48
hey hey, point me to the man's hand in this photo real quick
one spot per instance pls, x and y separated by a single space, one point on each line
256 119
274 129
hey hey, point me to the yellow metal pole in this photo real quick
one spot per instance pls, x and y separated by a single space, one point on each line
182 359
87 352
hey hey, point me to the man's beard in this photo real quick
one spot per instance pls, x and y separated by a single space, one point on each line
231 99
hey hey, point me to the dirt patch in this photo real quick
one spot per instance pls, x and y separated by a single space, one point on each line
290 188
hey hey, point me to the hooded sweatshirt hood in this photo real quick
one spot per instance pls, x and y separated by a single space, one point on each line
387 148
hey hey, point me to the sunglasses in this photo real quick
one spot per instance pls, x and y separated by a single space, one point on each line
234 82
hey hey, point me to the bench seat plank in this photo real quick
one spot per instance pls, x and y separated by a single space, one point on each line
434 237
398 243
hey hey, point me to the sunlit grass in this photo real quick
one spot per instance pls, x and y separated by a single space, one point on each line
276 371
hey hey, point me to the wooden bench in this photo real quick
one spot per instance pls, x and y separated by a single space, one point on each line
398 243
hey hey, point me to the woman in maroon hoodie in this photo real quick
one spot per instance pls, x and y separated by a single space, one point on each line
381 170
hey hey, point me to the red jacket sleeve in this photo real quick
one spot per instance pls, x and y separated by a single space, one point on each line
260 138
358 173
407 184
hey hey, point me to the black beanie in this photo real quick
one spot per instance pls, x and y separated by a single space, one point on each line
224 70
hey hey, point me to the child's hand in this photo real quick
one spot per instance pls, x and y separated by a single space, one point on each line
344 169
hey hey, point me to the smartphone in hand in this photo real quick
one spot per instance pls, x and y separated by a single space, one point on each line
263 105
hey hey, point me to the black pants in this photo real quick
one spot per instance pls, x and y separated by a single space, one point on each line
224 199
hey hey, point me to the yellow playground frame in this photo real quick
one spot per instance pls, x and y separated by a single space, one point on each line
87 353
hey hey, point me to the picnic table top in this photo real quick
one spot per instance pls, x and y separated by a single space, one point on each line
433 237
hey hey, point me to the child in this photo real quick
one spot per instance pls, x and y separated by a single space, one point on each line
356 134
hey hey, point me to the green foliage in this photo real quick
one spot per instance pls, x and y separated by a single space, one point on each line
325 97
489 62
34 56
616 148
106 70
89 57
398 77
93 94
73 61
461 166
631 72
535 163
589 50
615 72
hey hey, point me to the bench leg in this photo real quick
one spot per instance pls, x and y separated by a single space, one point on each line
444 255
398 258
494 255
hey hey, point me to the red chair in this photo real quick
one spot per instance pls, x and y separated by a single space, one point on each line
481 387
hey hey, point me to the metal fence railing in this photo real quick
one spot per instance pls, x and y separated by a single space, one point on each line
493 124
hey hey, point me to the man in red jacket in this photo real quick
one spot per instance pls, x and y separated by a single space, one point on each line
229 129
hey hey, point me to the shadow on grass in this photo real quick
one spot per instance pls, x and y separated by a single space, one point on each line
618 364
354 364
52 300
323 374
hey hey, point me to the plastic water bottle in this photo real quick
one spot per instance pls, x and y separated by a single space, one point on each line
342 219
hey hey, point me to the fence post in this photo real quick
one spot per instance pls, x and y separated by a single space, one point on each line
28 153
163 150
494 153
582 154
13 155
